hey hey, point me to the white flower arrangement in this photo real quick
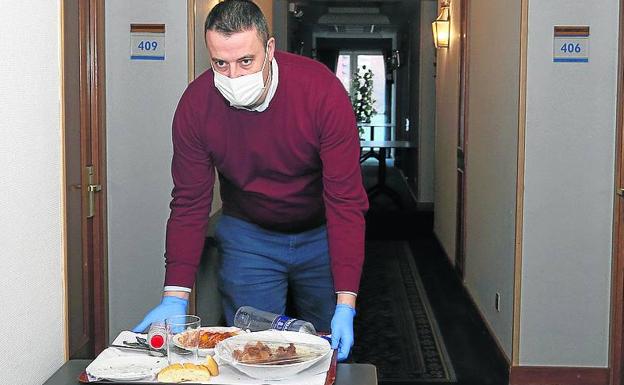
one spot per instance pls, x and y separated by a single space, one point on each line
362 95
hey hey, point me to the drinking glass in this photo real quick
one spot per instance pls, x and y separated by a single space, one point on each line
182 338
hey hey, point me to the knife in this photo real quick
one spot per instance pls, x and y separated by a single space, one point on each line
161 352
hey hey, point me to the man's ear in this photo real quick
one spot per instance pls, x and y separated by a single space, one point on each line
270 48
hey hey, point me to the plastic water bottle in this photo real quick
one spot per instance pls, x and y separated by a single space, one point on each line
156 337
252 319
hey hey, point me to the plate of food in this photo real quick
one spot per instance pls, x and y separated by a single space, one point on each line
209 337
272 354
126 368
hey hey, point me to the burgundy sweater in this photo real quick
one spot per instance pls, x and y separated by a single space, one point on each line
289 168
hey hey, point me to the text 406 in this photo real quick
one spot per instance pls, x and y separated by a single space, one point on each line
571 48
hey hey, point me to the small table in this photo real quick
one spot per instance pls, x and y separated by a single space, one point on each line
382 146
387 128
346 374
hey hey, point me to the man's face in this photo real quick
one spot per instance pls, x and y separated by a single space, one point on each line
239 54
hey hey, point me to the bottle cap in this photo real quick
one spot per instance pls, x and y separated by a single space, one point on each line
157 341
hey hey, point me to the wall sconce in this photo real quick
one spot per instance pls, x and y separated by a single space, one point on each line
295 11
394 61
442 27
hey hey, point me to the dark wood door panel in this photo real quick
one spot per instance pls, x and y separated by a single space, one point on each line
82 114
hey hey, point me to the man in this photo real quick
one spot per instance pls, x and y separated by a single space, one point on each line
280 130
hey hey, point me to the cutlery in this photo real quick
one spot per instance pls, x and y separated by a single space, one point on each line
161 352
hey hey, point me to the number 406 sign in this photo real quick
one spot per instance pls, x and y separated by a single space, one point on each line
571 44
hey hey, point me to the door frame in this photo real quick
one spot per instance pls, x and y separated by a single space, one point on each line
616 345
462 130
93 294
98 150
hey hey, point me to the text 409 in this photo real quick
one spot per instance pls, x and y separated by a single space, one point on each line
148 45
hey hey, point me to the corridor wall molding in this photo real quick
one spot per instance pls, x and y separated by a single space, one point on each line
544 375
524 25
616 353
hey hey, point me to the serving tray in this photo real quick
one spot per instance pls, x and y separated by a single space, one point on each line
329 379
231 375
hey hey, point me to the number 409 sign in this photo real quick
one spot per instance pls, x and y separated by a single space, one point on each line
571 44
147 42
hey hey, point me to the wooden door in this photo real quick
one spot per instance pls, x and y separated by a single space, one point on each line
461 140
83 149
616 354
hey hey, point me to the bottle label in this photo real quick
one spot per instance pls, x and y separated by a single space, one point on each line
156 336
282 322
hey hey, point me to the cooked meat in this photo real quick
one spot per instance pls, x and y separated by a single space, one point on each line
259 353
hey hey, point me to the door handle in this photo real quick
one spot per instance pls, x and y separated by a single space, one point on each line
620 191
92 188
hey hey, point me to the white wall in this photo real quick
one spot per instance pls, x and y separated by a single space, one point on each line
202 63
32 299
447 107
202 60
280 24
491 160
427 105
570 136
141 97
208 299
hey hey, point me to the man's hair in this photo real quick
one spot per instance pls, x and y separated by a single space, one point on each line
231 16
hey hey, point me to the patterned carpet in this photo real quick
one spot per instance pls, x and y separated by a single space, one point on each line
395 328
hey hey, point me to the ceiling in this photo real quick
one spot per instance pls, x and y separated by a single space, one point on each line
350 2
349 12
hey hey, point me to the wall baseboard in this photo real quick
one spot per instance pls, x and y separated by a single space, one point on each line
501 357
450 261
557 375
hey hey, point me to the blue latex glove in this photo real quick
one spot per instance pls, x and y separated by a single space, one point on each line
342 330
168 307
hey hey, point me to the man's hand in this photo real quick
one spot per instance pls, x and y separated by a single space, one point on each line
169 306
342 330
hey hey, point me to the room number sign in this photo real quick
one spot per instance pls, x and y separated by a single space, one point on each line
147 42
571 44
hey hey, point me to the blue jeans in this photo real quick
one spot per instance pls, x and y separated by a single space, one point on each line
258 268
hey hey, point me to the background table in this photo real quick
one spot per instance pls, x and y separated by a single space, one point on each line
346 374
382 147
388 129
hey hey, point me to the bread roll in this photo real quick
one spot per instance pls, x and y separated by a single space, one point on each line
184 372
212 366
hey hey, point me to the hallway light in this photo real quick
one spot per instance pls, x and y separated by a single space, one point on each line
295 11
442 27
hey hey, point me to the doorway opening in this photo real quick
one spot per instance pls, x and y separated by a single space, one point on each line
351 63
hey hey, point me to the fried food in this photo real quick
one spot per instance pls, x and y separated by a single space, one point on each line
208 340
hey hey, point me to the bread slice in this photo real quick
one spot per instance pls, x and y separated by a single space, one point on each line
184 372
212 366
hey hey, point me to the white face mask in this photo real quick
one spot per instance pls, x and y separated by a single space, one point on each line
243 91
